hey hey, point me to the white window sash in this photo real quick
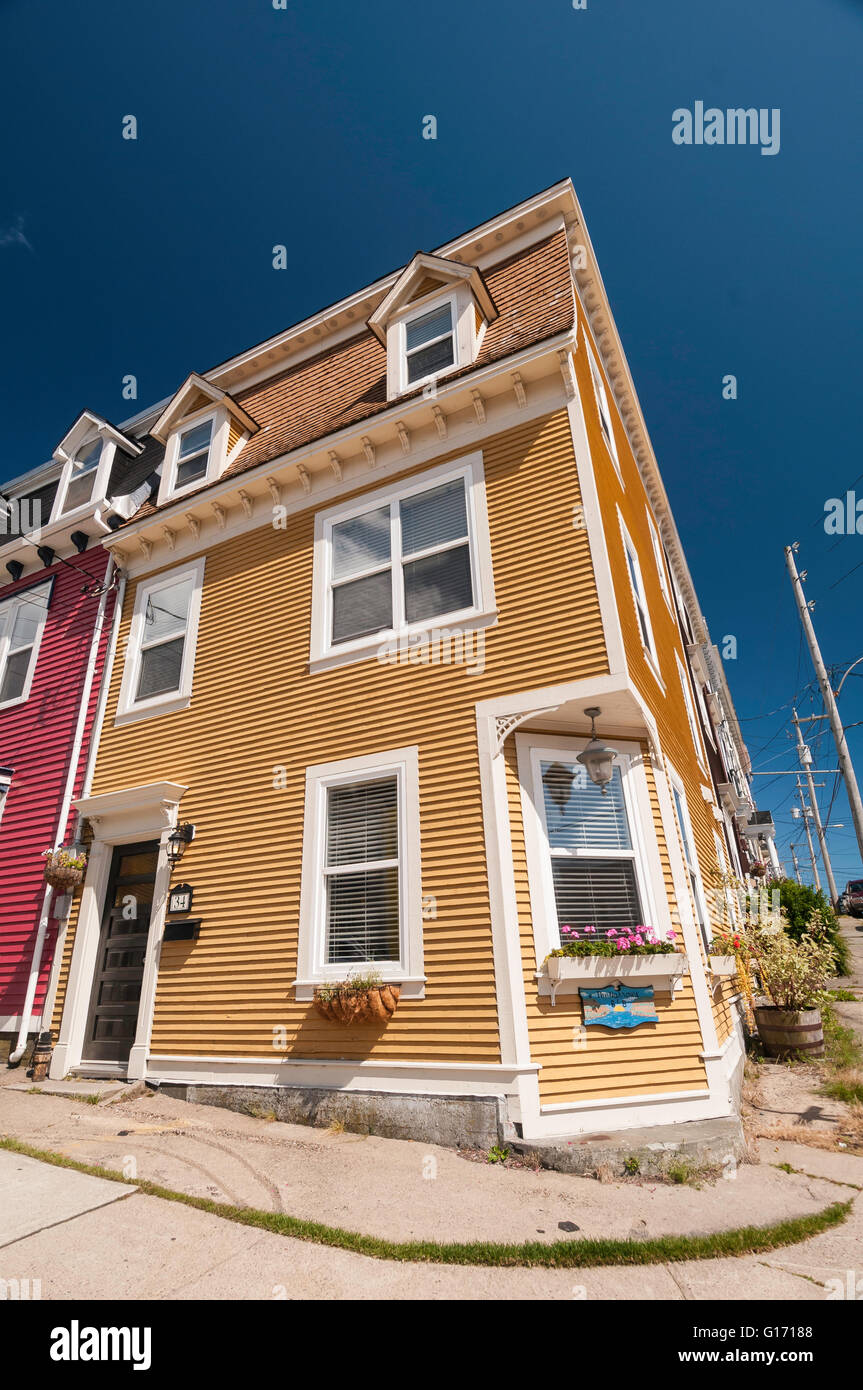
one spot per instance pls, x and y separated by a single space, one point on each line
690 714
312 965
38 596
324 651
639 598
129 707
690 858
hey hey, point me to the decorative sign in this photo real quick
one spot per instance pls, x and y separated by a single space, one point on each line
618 1006
180 898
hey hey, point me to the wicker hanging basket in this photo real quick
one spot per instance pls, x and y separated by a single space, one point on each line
374 1005
61 876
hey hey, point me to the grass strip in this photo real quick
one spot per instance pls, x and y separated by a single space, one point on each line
562 1254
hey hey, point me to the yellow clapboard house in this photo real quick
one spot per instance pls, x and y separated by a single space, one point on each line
391 558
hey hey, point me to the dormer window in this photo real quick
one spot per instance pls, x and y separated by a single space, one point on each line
203 429
432 322
429 343
193 453
82 476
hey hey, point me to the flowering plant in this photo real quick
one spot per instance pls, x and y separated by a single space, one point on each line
728 943
630 941
64 859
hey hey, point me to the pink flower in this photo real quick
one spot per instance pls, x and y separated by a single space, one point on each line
566 930
622 945
639 940
670 935
612 932
590 930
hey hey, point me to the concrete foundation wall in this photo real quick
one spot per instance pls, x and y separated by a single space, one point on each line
451 1121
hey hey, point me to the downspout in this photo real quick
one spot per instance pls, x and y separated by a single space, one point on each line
65 807
95 735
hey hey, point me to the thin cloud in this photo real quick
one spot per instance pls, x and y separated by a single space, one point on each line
13 235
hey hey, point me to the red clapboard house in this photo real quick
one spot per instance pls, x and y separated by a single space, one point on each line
57 608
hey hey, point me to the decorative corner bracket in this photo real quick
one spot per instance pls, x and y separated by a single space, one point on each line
505 724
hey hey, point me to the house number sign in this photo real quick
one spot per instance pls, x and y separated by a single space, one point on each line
180 898
618 1006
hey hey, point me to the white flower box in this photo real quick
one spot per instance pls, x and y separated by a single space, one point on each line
663 969
723 965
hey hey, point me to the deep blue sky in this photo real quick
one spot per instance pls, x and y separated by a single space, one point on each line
303 126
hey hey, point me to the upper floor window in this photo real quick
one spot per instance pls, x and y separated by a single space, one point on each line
429 343
659 558
633 566
690 859
82 476
193 453
157 676
22 619
400 560
603 408
690 712
5 784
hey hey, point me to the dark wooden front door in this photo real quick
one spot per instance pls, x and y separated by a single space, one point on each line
113 1016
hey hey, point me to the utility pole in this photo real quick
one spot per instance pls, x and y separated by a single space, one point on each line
806 814
806 764
845 763
793 849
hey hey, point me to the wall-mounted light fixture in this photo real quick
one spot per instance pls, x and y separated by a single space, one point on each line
177 841
596 757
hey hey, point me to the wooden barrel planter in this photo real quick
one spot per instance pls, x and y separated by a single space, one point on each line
348 1006
784 1032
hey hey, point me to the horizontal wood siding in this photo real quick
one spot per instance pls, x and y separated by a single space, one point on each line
653 1058
255 708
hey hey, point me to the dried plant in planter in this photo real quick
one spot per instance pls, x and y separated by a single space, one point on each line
358 999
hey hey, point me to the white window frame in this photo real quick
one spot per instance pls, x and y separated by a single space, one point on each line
660 560
312 968
130 710
532 750
101 475
694 877
6 775
40 594
639 599
603 409
216 460
697 741
466 338
324 654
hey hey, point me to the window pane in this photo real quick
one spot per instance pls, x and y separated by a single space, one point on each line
363 917
431 359
577 815
197 438
362 822
26 625
191 469
362 606
427 326
596 892
88 457
15 676
79 491
438 584
160 669
167 610
434 517
362 543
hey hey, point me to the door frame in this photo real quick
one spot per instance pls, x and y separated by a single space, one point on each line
118 818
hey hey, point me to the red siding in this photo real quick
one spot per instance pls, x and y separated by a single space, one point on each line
36 739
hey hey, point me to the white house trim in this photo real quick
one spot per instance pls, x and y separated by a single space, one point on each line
311 966
130 710
124 817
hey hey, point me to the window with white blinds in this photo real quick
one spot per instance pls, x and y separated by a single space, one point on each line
429 343
406 561
593 862
361 872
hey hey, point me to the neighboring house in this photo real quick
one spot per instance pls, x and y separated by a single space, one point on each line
396 554
56 609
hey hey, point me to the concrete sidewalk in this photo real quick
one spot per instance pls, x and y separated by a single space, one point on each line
144 1247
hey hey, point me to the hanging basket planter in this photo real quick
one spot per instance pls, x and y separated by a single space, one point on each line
346 1004
64 870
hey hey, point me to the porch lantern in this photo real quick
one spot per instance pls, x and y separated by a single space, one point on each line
177 841
597 757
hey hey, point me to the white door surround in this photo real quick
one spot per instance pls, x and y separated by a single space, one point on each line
124 817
